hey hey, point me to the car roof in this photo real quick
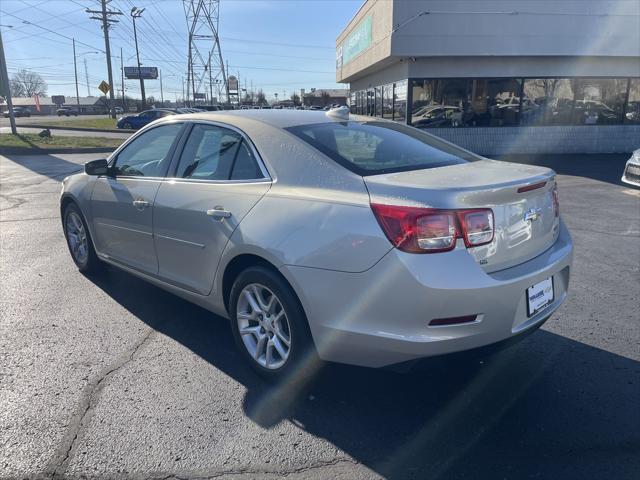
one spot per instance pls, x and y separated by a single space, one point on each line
276 118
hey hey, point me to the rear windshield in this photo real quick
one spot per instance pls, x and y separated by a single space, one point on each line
371 148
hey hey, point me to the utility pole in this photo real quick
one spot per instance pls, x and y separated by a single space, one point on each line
183 104
137 13
161 94
4 81
86 77
124 103
104 17
75 71
210 82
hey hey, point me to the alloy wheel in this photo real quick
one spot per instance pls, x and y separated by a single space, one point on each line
77 237
263 326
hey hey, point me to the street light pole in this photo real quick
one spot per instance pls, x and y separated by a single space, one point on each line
75 71
4 81
137 13
161 93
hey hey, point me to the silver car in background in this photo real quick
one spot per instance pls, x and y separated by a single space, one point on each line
631 173
324 235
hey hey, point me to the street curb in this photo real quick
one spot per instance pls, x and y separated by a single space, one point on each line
45 151
78 129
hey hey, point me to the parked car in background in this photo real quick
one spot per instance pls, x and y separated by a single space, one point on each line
437 116
18 112
631 173
67 112
134 122
378 244
118 110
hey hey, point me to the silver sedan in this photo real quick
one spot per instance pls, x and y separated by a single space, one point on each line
322 235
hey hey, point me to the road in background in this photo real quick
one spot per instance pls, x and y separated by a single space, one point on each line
109 376
69 133
39 119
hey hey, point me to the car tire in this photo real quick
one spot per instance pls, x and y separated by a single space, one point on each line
79 240
301 358
127 126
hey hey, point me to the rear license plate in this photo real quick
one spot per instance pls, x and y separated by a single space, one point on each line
539 296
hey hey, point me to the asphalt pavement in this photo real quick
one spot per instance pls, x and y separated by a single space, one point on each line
107 376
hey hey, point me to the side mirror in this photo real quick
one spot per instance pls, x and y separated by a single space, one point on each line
96 167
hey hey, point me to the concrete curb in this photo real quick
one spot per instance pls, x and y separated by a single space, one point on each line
45 151
78 129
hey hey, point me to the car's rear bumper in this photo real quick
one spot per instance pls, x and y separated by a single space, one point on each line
381 316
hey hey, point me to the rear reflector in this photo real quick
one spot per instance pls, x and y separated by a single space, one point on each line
438 322
533 186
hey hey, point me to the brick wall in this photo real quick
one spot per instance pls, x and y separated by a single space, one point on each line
557 139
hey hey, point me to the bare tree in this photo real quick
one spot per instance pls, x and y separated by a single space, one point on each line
261 98
325 97
295 98
27 84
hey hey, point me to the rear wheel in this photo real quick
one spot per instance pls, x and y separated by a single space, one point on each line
79 240
269 325
127 126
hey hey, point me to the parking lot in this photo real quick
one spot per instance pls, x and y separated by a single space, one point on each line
109 376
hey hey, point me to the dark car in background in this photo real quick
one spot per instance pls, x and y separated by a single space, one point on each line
18 112
67 112
134 122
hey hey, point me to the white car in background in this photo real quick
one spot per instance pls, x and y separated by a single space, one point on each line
631 173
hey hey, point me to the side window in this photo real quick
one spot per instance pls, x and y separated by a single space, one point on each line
217 153
208 153
245 166
148 154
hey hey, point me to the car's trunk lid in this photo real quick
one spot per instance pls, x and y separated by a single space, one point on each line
525 221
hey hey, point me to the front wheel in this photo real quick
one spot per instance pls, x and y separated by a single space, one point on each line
127 126
270 327
79 240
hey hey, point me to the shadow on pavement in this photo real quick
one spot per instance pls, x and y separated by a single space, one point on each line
604 168
549 407
49 165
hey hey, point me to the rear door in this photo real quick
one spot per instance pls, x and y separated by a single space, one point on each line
216 181
122 203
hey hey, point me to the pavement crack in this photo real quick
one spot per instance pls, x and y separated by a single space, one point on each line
90 396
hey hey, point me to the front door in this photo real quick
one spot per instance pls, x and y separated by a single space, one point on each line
122 202
215 183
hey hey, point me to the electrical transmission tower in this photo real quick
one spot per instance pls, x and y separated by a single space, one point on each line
204 60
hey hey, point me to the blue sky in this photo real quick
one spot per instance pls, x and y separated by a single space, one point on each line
279 45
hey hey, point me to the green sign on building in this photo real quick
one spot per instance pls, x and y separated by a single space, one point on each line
357 42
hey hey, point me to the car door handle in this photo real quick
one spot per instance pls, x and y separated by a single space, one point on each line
218 212
140 204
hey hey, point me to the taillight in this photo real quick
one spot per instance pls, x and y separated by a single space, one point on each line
427 230
556 201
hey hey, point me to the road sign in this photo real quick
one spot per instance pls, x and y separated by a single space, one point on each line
104 87
58 99
147 73
199 96
232 83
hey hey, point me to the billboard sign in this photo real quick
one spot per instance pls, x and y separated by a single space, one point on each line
232 83
58 99
199 96
147 73
357 41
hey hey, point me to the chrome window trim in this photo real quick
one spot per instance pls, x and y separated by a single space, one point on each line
261 165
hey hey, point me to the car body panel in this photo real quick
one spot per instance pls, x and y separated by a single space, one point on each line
631 174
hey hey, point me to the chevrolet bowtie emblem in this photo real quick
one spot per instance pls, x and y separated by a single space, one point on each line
532 214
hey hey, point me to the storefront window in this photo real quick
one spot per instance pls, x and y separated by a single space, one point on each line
387 101
352 102
632 113
400 101
547 101
599 101
378 109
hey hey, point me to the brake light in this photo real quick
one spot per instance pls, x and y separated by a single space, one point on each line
427 230
556 200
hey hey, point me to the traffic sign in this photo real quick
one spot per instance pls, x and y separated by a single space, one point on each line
104 87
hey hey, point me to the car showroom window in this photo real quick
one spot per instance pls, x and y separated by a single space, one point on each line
209 153
147 155
371 148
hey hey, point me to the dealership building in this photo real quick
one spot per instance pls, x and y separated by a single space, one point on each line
500 76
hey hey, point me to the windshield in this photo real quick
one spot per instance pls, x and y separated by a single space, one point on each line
371 148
